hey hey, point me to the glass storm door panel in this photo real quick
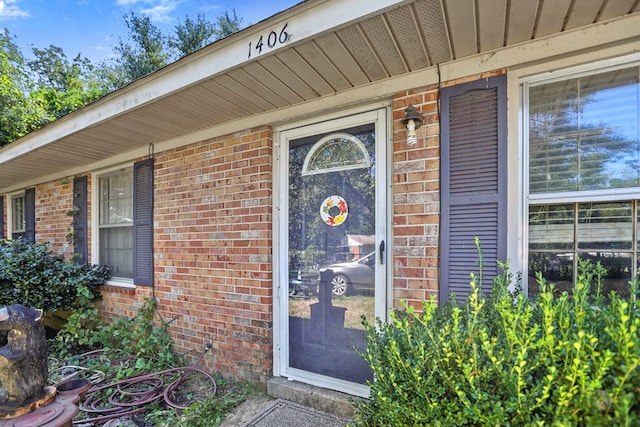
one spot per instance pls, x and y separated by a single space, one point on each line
335 264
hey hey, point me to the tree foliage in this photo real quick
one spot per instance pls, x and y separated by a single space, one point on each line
19 113
144 52
32 275
227 24
37 91
62 86
192 35
147 49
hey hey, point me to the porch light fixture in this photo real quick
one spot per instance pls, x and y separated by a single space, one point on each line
412 120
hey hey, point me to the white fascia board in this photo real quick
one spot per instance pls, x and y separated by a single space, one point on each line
302 22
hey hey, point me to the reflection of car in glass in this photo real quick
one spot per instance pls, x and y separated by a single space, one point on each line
353 276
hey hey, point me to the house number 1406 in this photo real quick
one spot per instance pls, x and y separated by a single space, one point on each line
272 40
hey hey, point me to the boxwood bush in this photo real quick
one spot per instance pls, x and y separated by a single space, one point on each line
506 360
32 275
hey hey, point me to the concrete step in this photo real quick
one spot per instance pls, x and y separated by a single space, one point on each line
330 401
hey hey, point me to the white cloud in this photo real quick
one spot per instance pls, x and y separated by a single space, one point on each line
160 12
156 10
8 9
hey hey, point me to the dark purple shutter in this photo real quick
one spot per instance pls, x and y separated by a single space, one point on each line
473 183
143 222
1 217
80 220
30 215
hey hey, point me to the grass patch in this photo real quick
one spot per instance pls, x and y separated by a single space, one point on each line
357 306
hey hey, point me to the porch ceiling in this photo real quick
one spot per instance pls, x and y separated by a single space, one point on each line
334 46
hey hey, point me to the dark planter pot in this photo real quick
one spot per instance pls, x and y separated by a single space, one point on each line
77 386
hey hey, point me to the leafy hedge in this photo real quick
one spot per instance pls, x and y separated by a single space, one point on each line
32 275
507 360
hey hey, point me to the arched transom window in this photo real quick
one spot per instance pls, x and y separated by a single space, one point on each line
336 152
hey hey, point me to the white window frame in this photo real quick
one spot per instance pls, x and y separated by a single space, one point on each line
607 195
124 282
10 214
14 199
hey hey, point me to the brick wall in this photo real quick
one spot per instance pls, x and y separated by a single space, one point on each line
53 200
416 199
212 250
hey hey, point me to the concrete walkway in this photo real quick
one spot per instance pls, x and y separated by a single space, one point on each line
293 404
284 413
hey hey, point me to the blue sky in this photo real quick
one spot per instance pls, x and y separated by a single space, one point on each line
92 27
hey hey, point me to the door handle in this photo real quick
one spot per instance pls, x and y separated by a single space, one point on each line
382 252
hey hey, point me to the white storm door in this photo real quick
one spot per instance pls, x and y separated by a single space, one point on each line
332 247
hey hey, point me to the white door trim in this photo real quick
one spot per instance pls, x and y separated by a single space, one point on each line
380 115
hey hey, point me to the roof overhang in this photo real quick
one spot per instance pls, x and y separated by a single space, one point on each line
311 56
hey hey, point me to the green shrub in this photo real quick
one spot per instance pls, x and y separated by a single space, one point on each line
141 336
208 413
32 275
127 347
144 340
503 359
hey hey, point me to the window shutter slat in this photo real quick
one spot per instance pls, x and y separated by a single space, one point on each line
80 237
473 177
30 215
143 222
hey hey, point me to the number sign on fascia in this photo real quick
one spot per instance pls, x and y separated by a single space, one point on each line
266 42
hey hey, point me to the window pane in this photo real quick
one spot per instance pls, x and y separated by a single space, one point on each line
551 227
583 133
551 246
618 265
116 199
116 220
19 223
116 250
336 152
637 255
556 267
552 137
605 226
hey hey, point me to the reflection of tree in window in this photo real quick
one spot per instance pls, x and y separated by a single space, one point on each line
116 223
311 241
583 133
340 152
